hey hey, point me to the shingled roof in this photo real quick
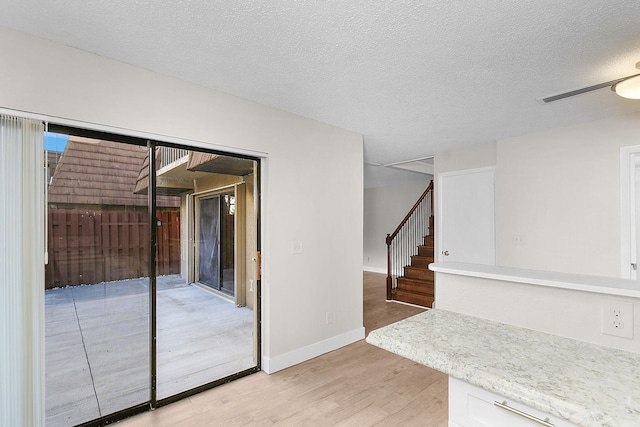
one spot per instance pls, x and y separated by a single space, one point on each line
98 172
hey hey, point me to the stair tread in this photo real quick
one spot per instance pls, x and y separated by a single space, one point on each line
424 264
409 291
412 297
425 251
410 279
424 286
422 273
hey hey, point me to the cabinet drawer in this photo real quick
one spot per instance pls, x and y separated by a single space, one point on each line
471 406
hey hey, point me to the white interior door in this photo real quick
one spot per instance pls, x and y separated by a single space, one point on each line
466 201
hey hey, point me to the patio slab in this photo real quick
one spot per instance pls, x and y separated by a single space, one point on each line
97 345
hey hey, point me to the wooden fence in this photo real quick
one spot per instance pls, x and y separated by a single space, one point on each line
88 247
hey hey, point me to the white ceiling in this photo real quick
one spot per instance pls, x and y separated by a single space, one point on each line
415 77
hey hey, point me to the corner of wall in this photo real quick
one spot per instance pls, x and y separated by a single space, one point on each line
474 157
272 365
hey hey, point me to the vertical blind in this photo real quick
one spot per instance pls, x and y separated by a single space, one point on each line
21 272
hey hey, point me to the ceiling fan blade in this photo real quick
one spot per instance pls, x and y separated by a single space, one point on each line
552 98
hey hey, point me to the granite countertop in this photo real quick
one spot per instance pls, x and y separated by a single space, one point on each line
586 384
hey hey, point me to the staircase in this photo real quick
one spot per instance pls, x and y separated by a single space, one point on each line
417 284
409 252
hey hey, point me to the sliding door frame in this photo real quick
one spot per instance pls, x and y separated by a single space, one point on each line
153 244
71 127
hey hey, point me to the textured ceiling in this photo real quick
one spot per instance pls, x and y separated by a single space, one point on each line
415 77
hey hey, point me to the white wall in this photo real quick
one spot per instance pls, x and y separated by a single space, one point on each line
311 168
384 208
560 191
565 312
478 156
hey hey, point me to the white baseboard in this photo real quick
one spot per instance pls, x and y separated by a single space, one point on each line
374 269
278 363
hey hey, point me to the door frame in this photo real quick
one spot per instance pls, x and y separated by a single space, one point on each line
629 160
239 236
99 131
197 200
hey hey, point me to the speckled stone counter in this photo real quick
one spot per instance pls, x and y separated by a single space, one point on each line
583 383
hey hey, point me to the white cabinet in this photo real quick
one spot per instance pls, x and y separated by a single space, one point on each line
471 406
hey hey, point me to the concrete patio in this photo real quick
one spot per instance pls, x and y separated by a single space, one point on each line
97 345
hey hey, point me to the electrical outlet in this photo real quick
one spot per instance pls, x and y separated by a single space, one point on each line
518 239
617 319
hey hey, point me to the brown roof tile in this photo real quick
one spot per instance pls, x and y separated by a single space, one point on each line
97 172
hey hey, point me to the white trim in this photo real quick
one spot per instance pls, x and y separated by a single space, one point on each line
408 161
283 361
439 243
217 190
408 303
131 132
627 222
551 279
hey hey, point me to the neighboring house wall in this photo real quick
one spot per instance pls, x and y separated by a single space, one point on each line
312 181
187 251
251 260
213 182
384 208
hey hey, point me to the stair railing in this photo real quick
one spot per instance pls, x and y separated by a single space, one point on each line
402 243
169 155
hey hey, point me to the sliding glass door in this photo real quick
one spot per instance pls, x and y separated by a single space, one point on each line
209 254
215 216
96 281
206 330
151 290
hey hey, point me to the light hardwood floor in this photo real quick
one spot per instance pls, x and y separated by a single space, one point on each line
357 385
